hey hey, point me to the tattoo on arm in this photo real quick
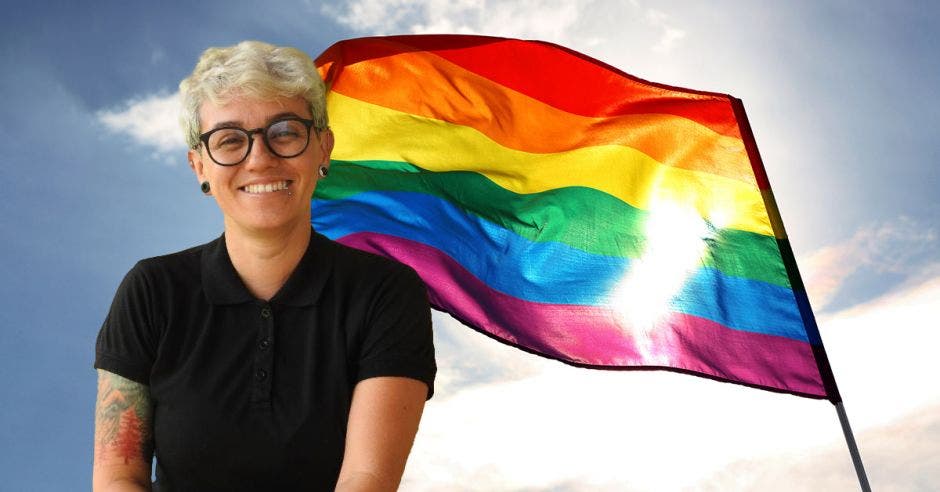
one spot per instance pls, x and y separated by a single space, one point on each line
123 420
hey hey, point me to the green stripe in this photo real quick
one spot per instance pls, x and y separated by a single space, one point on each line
584 218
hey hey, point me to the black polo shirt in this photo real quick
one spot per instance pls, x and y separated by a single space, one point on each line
255 395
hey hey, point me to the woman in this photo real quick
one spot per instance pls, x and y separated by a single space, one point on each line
270 358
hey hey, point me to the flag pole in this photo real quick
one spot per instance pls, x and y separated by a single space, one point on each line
853 448
799 290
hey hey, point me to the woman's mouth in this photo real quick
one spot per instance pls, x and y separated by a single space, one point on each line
266 187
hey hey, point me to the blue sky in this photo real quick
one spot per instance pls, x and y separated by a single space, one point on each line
843 100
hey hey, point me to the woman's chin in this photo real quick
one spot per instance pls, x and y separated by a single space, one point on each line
266 222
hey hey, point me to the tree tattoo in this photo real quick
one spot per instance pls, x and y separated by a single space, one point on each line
123 420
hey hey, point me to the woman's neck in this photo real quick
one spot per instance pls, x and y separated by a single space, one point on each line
264 261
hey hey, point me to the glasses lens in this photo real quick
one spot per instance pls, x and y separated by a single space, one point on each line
288 138
228 145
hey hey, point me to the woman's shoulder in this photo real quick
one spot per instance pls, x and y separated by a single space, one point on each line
349 260
185 263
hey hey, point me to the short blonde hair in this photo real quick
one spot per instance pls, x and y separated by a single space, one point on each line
253 68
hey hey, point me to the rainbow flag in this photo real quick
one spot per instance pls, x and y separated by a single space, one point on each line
567 208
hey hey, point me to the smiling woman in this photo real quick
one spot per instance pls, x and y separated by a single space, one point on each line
267 187
270 358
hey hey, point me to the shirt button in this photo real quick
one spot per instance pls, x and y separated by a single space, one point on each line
266 312
261 374
264 343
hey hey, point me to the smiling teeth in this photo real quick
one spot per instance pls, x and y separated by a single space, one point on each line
266 188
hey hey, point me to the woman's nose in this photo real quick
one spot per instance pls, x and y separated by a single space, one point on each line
260 153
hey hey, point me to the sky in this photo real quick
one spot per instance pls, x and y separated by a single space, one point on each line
842 98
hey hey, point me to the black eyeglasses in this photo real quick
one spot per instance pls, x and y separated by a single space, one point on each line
285 138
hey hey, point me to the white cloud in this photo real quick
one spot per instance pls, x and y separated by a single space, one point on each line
901 456
548 426
542 19
549 20
150 121
669 33
377 16
883 352
466 358
884 247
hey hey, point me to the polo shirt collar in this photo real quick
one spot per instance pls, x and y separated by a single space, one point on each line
302 288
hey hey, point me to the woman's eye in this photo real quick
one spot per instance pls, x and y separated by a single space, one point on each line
285 134
285 130
231 140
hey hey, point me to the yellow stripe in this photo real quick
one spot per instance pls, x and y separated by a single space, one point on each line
369 132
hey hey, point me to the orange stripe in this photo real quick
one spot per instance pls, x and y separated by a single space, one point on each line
424 84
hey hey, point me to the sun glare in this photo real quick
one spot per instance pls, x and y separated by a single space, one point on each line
675 244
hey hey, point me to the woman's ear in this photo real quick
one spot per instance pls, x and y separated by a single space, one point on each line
195 163
326 146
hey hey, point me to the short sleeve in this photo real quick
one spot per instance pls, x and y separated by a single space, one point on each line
127 343
398 340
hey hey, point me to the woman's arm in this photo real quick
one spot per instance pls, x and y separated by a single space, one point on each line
383 421
123 435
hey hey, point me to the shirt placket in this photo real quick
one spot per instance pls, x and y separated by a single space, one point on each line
263 370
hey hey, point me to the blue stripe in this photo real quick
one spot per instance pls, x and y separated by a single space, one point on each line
549 272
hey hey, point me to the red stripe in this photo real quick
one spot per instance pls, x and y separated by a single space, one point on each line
547 72
593 336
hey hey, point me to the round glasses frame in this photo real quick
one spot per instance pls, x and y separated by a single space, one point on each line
308 124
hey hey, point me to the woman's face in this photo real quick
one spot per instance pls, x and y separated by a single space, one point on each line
240 190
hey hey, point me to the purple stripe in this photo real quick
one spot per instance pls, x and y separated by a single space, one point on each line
598 336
